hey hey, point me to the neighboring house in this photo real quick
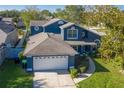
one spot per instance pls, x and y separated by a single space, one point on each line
8 38
20 24
8 34
2 54
7 20
47 51
54 47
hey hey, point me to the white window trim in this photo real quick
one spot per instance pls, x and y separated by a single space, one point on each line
70 37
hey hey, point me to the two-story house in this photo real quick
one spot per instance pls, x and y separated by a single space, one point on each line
54 43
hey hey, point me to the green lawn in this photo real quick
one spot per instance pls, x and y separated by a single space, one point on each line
106 76
13 76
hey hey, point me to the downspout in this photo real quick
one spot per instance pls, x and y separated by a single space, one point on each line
62 33
43 29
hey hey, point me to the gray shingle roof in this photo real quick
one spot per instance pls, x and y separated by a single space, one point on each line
6 27
51 21
47 44
38 22
43 22
3 37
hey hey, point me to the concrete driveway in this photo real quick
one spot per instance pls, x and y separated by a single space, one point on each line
53 79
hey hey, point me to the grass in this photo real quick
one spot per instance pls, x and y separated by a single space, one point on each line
106 76
13 76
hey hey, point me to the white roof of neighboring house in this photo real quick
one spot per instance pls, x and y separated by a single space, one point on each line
47 44
7 19
96 32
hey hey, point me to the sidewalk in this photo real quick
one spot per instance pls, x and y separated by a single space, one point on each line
89 72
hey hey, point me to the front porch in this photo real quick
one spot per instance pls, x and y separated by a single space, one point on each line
83 47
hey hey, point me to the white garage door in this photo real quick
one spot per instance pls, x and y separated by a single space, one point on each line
50 62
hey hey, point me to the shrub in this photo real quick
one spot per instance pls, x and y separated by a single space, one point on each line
73 72
82 69
21 57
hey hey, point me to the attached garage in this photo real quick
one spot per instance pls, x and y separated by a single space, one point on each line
48 52
50 63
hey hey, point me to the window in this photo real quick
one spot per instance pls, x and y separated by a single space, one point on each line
72 33
36 28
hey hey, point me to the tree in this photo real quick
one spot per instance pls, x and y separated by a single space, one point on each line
46 14
118 43
30 13
113 43
10 13
71 13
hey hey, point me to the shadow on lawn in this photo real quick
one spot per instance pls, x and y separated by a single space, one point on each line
99 67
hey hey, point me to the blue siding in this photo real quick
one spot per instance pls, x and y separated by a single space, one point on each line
89 36
33 31
54 28
79 49
80 30
71 61
29 62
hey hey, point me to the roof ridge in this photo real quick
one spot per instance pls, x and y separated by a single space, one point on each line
51 21
67 24
39 42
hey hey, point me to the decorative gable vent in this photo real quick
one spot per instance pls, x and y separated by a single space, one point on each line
36 28
73 28
60 22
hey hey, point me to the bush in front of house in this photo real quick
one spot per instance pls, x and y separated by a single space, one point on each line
82 69
73 72
21 57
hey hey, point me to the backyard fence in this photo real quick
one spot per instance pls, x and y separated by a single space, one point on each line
13 52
